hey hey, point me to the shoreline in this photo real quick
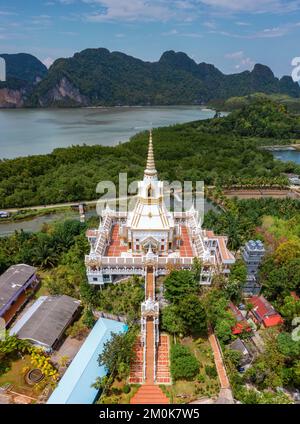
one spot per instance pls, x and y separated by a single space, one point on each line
283 148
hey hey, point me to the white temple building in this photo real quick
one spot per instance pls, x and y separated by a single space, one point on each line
126 242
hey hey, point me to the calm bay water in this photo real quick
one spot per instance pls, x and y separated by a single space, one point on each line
287 155
29 132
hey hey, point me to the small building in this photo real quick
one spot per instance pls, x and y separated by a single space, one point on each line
264 313
75 387
252 254
46 321
241 324
16 285
241 347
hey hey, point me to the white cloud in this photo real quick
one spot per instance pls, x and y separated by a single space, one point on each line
171 32
254 6
240 60
234 55
4 13
182 34
240 23
191 34
211 25
114 10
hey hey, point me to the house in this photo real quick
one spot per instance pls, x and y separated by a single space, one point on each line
46 321
241 347
264 313
16 285
75 387
242 324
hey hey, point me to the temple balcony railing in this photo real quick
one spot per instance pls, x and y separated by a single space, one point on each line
117 271
136 261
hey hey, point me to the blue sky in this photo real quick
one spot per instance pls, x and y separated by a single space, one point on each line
232 34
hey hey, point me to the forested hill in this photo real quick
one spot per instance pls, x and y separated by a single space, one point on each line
97 77
260 117
22 69
213 151
23 72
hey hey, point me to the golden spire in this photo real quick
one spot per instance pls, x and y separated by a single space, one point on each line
150 167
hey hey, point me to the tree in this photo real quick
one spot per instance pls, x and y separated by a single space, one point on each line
223 329
118 352
288 251
184 365
196 268
249 308
179 284
233 357
290 309
216 305
279 279
287 346
43 253
88 318
171 321
192 313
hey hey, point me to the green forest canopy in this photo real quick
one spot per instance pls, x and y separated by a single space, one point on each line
216 151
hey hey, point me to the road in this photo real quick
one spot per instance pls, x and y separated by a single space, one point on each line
64 205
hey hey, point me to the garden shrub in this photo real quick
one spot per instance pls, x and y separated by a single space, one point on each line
184 364
211 371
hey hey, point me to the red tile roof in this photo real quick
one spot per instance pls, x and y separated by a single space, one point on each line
264 311
273 321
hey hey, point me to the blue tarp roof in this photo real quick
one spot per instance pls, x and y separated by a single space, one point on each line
75 385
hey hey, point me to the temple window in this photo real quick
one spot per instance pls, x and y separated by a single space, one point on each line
150 191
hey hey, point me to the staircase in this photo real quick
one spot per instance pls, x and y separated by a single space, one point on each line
136 367
150 352
148 393
163 375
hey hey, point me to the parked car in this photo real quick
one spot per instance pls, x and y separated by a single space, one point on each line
4 214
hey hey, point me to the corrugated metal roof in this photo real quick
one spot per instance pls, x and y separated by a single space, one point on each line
13 279
45 322
75 385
